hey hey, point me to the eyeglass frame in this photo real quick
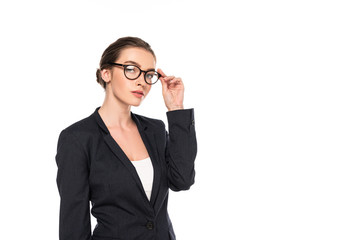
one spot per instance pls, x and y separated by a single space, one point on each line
141 71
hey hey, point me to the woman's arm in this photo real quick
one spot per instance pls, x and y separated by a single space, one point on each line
73 185
181 146
181 149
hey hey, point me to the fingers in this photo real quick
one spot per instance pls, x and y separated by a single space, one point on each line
161 72
175 80
163 76
167 81
172 80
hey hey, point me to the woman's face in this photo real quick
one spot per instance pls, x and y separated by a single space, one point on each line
129 92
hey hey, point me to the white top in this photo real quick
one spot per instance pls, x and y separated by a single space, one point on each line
145 171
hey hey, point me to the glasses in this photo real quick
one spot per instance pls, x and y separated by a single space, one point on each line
132 72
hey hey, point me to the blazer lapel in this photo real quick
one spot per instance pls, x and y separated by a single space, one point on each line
115 148
119 153
148 138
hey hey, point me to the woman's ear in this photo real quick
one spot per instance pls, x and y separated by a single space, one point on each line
106 75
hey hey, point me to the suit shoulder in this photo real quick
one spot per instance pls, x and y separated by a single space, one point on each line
150 122
83 126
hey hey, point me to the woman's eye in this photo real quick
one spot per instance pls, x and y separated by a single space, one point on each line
130 69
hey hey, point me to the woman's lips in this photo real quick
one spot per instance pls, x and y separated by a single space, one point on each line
138 94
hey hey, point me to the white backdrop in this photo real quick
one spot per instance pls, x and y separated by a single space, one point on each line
274 84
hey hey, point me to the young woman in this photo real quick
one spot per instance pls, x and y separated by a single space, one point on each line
121 162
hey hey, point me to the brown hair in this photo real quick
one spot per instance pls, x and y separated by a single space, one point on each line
112 52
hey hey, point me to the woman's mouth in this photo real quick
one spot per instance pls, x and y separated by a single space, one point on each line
138 94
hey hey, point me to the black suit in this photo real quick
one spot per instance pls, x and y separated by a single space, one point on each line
92 167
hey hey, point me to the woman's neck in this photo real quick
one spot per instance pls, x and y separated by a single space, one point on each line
115 114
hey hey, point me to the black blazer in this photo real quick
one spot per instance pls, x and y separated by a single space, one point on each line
92 167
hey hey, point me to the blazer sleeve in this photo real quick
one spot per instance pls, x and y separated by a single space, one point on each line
73 186
181 149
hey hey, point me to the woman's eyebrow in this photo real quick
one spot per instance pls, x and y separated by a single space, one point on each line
135 63
132 62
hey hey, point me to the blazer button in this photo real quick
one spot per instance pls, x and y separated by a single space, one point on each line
193 122
150 225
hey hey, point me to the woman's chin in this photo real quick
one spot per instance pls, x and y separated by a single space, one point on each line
136 104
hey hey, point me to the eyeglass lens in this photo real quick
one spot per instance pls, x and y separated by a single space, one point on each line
133 72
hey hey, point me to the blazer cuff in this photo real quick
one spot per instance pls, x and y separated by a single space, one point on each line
182 117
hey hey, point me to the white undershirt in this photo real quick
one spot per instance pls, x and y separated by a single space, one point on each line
145 171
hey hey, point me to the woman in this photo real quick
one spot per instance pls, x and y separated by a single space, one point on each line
121 162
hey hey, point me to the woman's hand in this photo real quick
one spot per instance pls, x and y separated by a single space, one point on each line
172 90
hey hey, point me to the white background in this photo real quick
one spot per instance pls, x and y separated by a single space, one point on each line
274 84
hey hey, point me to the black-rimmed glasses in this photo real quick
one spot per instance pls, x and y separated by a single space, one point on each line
132 72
